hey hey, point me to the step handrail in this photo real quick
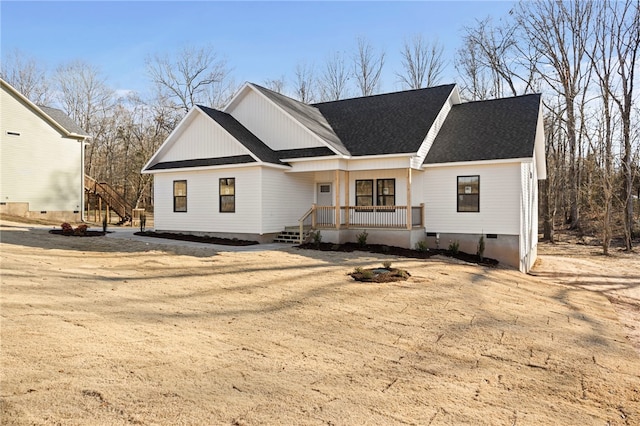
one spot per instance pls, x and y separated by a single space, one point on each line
302 219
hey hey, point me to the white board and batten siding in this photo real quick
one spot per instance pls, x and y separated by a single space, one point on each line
499 199
39 166
201 138
276 129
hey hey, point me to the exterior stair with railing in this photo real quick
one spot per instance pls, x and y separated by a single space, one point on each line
291 235
114 200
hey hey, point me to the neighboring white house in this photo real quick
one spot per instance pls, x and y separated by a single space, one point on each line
41 154
409 166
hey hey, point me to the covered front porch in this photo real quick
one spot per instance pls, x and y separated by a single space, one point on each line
373 197
349 217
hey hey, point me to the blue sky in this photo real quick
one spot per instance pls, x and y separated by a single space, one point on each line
260 40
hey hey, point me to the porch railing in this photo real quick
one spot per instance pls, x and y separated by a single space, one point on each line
384 217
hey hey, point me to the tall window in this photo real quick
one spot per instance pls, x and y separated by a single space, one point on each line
179 195
364 192
386 192
228 195
469 193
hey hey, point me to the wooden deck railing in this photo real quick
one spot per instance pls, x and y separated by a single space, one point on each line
383 217
115 201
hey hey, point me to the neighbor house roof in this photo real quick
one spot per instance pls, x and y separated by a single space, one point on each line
54 116
63 120
487 130
392 123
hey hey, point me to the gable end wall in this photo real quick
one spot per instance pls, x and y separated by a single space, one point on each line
270 124
39 167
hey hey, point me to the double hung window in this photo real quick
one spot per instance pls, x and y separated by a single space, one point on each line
179 195
469 193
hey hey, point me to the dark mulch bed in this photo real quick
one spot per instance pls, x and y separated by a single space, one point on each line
85 234
399 251
197 238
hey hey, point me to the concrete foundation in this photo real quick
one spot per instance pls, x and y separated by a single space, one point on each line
22 210
504 248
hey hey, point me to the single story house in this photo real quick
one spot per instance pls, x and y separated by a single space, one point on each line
410 166
41 154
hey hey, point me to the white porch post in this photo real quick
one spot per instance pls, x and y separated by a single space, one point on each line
409 198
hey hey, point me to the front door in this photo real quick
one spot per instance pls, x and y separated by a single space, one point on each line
324 194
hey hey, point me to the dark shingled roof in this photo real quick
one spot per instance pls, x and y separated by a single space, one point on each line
202 162
390 123
243 135
63 120
487 130
308 116
321 151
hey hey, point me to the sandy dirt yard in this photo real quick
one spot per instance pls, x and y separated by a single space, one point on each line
109 331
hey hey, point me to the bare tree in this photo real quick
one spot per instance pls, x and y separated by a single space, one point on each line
367 67
304 82
475 83
83 93
26 76
188 76
559 32
276 84
334 78
422 62
625 27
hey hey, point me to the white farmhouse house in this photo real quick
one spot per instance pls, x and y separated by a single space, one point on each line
409 166
41 154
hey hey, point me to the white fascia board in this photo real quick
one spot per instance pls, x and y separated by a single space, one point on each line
455 95
539 147
326 157
221 167
304 128
348 157
172 135
479 162
236 96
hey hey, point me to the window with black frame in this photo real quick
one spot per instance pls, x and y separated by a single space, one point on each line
386 192
364 193
469 194
227 195
179 195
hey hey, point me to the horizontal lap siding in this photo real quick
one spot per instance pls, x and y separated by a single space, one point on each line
203 212
40 166
275 128
500 200
285 198
202 138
